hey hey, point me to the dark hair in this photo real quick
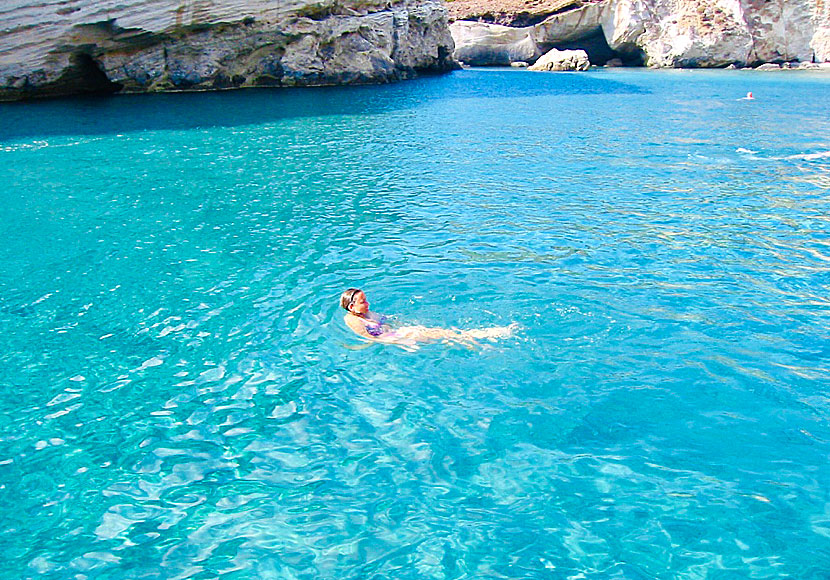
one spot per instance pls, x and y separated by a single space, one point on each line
347 298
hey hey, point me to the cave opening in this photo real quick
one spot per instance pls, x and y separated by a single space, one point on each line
88 77
599 53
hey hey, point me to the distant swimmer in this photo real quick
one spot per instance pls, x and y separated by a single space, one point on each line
377 327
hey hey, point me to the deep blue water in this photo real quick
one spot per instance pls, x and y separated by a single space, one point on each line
181 398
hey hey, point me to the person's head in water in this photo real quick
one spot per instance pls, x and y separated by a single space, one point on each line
354 300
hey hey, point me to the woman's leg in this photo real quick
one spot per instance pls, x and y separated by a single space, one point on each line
424 333
492 332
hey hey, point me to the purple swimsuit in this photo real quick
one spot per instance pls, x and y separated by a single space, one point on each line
374 327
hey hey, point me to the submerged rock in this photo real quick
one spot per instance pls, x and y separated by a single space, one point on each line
138 46
557 60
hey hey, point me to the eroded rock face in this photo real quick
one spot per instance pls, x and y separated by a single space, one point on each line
681 33
788 30
571 25
714 33
486 44
685 33
70 46
483 44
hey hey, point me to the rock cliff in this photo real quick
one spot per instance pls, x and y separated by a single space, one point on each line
53 47
660 33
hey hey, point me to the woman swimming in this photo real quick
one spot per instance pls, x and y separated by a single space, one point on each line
376 327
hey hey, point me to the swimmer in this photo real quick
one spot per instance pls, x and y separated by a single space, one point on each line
374 326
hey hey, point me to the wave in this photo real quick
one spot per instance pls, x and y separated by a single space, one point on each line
42 144
809 156
797 156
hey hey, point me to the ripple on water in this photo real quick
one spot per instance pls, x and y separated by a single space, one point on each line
182 398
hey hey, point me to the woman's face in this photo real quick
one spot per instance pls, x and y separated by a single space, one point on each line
360 305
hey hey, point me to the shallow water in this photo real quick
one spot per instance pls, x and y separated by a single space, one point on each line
181 398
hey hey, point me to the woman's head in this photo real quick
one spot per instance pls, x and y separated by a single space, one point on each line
354 300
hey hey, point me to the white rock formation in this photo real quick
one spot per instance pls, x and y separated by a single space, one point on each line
557 60
671 33
67 46
483 44
571 25
689 33
821 43
788 30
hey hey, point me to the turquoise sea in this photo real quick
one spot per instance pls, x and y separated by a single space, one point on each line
181 399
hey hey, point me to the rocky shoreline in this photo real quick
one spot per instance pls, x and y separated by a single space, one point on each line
774 34
85 46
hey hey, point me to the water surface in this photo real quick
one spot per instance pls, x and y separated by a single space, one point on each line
181 399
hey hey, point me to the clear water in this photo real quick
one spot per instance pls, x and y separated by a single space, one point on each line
181 399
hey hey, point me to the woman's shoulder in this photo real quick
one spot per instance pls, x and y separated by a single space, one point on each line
356 323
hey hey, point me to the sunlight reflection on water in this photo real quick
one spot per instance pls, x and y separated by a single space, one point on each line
183 400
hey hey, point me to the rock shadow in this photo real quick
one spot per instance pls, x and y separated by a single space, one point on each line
118 114
598 50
